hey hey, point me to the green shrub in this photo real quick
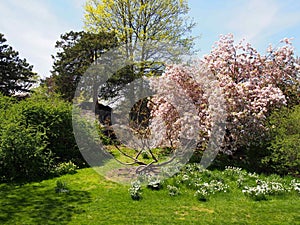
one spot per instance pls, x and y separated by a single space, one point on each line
202 195
5 102
295 185
54 116
23 153
104 135
65 168
284 149
61 187
36 134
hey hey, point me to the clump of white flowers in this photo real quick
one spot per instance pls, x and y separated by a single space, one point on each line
207 188
295 185
135 190
263 189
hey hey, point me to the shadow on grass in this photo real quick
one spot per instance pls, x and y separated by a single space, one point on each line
39 204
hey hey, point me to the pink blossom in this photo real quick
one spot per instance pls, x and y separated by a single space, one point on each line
252 87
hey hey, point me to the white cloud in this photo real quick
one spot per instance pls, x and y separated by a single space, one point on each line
253 18
258 20
32 28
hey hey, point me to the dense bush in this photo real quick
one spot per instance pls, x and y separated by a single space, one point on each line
23 153
54 117
36 135
5 102
284 149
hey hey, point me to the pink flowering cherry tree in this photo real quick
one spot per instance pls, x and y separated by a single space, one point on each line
234 78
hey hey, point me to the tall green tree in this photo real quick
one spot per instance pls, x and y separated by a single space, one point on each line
77 51
143 26
16 74
150 33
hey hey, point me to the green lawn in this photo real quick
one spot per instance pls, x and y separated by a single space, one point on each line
94 200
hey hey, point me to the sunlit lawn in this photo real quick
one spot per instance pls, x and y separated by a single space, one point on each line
94 200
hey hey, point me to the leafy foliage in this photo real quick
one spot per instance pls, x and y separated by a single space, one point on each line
263 189
65 168
173 190
15 74
284 150
148 22
76 52
61 187
154 183
23 153
36 134
54 117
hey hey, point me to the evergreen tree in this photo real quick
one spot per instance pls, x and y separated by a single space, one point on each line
76 52
16 74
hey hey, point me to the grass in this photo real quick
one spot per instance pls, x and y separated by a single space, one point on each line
93 200
159 153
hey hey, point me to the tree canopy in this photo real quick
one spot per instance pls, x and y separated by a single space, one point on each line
143 26
251 86
16 74
76 52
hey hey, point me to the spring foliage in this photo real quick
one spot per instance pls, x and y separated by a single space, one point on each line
151 22
284 148
36 135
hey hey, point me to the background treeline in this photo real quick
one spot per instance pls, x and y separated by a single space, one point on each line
37 141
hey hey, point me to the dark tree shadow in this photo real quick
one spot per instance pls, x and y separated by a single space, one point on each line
41 204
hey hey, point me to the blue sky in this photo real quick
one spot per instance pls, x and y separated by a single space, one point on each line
33 26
